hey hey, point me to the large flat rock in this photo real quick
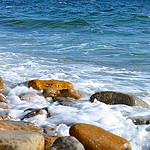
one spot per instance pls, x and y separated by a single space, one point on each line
21 140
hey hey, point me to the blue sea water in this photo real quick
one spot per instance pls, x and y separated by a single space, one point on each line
96 44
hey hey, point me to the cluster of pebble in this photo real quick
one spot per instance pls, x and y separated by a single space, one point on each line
25 135
21 135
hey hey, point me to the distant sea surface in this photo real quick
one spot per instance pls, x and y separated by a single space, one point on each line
95 44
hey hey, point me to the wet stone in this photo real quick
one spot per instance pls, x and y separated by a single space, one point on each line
112 98
3 99
5 117
49 140
4 106
52 84
26 126
1 85
33 113
67 143
95 138
5 126
21 140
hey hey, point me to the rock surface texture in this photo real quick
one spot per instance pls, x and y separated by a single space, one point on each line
4 106
27 96
1 85
52 84
62 93
95 138
6 126
49 140
109 97
67 143
33 113
21 140
3 99
5 117
20 125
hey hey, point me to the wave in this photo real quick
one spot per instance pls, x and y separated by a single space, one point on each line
34 23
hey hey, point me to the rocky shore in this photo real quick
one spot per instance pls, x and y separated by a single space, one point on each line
22 135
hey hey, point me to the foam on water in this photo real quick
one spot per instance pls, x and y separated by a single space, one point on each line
113 118
20 68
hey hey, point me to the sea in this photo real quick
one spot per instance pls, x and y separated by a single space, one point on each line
98 45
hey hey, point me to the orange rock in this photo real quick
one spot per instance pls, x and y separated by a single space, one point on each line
70 93
1 85
23 126
4 106
49 140
5 117
50 92
2 99
53 84
6 126
95 138
62 93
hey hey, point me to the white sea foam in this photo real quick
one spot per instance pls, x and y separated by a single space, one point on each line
86 79
113 118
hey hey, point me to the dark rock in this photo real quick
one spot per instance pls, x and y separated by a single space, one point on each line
109 97
141 120
67 143
35 112
65 101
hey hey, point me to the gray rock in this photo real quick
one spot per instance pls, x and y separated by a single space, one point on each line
65 101
31 97
140 121
109 97
67 143
21 140
27 96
